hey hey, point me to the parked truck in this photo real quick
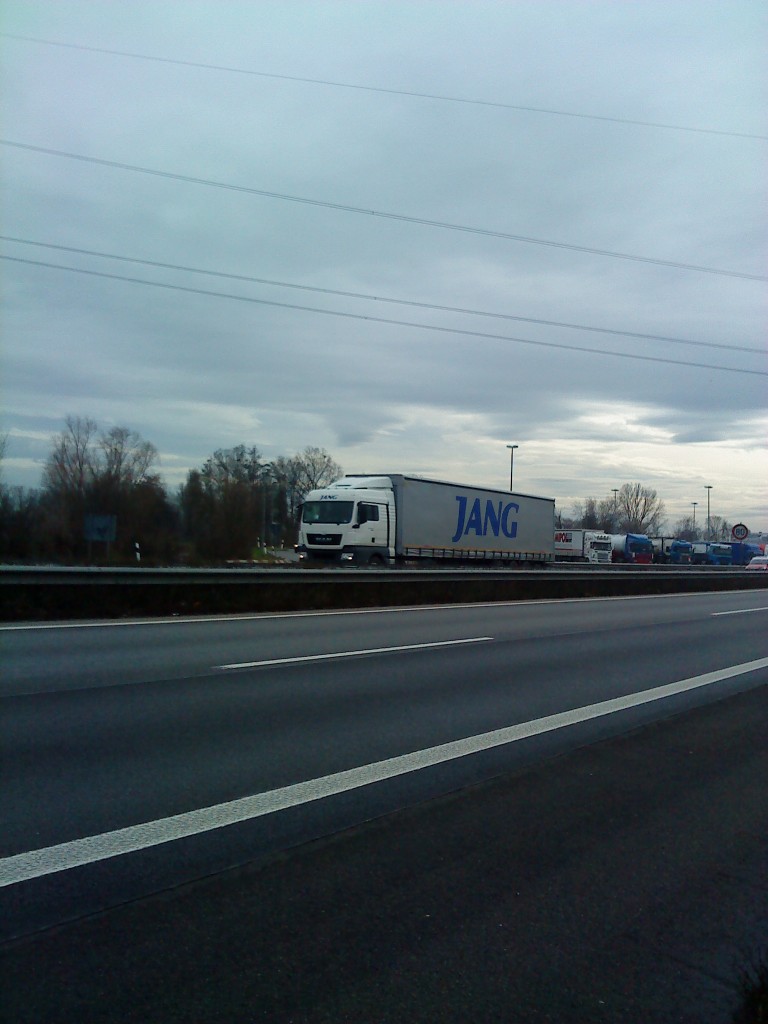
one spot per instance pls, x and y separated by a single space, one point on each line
391 518
742 552
582 546
632 547
680 552
671 550
706 553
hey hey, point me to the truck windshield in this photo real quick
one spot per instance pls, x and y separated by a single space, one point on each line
327 512
600 545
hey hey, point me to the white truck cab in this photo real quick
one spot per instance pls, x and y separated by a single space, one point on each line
597 547
352 521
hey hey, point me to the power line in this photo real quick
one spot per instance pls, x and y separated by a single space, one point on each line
403 218
382 320
379 298
391 92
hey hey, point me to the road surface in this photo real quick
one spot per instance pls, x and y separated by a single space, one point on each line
215 764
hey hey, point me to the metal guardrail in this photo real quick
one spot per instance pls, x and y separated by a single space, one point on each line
54 592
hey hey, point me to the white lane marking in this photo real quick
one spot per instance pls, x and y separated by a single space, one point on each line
354 654
740 611
51 859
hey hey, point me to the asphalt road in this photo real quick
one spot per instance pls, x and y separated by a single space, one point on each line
108 727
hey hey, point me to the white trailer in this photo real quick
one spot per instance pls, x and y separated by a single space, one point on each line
582 546
382 520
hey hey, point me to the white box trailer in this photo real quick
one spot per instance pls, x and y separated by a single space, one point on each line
582 546
389 518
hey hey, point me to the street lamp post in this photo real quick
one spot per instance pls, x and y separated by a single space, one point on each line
615 506
694 503
709 527
512 466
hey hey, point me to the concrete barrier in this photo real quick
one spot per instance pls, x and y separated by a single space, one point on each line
41 593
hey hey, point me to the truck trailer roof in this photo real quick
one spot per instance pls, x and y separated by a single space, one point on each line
432 480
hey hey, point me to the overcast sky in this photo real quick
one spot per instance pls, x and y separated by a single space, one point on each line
322 136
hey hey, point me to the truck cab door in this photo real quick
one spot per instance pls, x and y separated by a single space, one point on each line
372 532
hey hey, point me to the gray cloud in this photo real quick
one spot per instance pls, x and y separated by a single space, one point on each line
194 372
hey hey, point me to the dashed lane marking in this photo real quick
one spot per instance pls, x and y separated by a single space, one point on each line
355 654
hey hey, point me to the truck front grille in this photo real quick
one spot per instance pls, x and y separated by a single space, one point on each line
324 538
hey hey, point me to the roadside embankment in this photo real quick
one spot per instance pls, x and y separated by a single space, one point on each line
40 593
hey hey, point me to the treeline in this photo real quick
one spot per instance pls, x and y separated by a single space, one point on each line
633 508
101 500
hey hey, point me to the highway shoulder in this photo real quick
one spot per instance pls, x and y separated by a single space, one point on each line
625 881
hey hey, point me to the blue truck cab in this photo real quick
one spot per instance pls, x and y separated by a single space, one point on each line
680 552
709 553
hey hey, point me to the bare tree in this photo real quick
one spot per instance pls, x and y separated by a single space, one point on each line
592 514
720 528
314 468
227 466
126 458
87 474
225 504
686 529
70 467
237 502
288 477
641 509
586 514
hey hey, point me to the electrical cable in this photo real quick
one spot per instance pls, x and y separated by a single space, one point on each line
379 298
403 218
391 92
382 320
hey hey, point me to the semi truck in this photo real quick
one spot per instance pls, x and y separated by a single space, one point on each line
680 552
582 546
706 553
671 550
392 518
742 552
631 547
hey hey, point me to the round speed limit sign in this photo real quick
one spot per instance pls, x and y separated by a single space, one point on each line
740 532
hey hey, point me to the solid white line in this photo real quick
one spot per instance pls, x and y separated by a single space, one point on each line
741 611
78 852
354 654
